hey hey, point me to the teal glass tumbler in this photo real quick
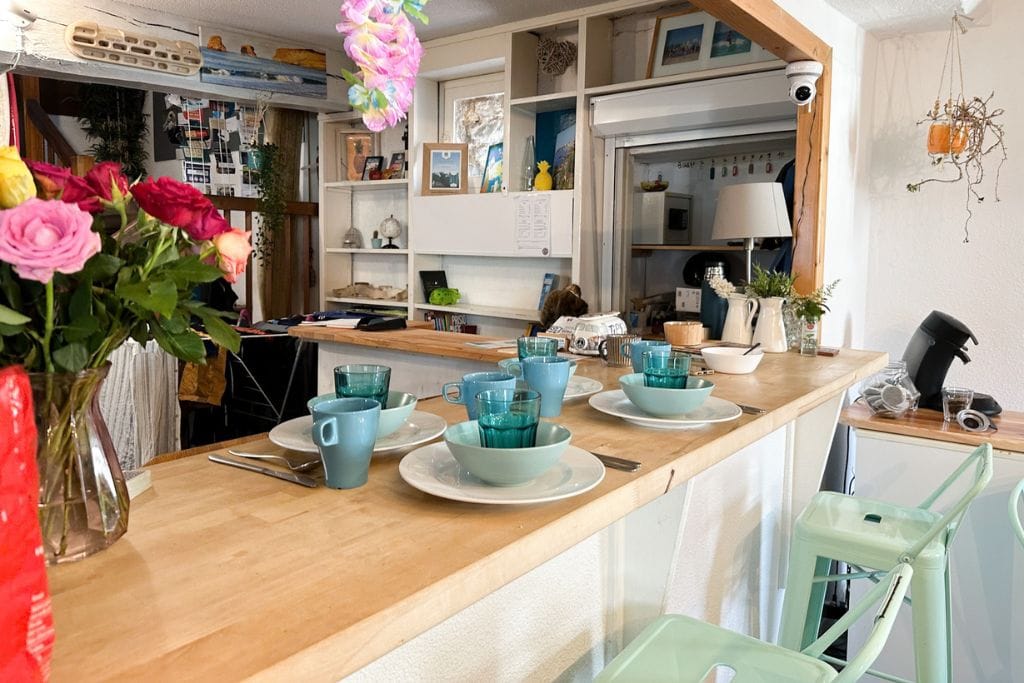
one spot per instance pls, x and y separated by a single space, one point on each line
508 418
666 369
536 346
363 381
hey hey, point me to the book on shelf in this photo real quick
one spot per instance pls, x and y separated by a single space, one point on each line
549 284
449 322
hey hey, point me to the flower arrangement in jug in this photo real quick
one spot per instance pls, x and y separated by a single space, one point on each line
381 40
86 262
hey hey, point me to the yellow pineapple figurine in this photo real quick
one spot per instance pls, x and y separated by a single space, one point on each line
543 179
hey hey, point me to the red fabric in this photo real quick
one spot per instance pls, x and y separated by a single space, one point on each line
26 624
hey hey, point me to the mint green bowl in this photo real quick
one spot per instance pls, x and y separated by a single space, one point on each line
665 402
400 407
506 466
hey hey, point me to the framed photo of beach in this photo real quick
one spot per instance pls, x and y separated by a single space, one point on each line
445 168
692 40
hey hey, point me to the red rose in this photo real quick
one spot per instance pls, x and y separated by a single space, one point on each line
180 205
103 177
50 179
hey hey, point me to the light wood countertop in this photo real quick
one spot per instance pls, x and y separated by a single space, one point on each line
225 574
928 424
412 340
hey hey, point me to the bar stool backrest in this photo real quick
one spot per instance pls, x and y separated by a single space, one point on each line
981 459
1016 500
889 597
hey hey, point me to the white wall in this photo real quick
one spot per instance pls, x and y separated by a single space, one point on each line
918 260
846 243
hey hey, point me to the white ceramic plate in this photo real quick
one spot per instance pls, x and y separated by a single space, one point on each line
433 470
419 428
714 410
578 387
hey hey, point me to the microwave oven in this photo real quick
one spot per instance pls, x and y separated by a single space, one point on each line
662 218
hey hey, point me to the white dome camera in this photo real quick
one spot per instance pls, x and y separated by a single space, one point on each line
802 79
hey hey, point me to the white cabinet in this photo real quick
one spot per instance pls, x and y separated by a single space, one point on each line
986 563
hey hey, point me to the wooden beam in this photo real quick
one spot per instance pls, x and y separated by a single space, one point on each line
773 28
27 88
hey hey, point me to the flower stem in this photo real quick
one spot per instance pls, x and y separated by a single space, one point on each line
48 330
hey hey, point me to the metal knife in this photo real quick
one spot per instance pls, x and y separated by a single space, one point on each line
295 478
752 410
617 463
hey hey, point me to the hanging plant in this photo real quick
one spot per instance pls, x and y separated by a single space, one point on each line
962 131
381 40
271 202
116 119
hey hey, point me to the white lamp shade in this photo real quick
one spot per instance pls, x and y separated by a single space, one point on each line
751 210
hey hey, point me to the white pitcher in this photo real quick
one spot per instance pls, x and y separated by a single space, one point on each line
739 319
771 330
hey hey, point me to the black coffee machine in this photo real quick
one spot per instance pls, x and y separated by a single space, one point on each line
936 342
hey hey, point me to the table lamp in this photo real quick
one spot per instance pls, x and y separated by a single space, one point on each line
750 210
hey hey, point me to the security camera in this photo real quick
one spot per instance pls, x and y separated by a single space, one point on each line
802 78
16 14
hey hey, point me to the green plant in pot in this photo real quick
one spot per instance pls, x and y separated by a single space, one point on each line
808 310
771 290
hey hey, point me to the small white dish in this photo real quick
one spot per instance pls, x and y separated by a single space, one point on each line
419 428
578 387
616 404
432 469
730 359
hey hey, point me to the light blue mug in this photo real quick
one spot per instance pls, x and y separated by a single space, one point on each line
637 348
548 376
514 367
344 431
472 384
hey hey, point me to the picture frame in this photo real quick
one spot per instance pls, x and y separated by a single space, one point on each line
445 168
352 148
371 165
397 165
492 178
693 40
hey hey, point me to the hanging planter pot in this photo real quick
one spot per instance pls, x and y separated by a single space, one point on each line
946 138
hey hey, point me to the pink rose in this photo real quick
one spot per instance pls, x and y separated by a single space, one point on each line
103 177
180 205
233 251
38 237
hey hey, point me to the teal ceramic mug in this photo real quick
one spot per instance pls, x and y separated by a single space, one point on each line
472 384
515 367
344 431
549 377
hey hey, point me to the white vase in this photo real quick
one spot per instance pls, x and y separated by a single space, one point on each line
771 331
739 320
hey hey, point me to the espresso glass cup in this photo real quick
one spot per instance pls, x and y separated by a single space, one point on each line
536 346
666 369
508 418
365 381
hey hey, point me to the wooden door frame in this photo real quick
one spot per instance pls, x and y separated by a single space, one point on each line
772 28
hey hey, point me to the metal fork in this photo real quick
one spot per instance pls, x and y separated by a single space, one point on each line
280 459
618 463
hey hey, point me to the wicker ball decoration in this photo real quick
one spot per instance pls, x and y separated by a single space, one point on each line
554 57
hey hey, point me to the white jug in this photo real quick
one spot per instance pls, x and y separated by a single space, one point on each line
771 330
739 320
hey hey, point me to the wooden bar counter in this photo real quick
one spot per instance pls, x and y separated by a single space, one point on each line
227 575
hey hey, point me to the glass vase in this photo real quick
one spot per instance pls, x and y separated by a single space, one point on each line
83 500
808 336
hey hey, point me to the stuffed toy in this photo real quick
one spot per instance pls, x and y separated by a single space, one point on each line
566 301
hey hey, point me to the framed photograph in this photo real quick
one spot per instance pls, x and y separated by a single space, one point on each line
445 168
492 169
397 164
693 41
353 149
372 165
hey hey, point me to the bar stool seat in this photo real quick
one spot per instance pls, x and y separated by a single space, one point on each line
873 535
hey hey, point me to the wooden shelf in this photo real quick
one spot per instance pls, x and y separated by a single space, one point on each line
380 303
375 252
685 78
487 254
527 314
683 247
545 103
351 185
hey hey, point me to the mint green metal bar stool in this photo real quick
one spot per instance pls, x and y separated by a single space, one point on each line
1016 498
685 650
873 536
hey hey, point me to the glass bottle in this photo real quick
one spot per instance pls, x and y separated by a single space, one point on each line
528 164
891 392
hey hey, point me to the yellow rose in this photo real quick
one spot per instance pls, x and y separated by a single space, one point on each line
16 184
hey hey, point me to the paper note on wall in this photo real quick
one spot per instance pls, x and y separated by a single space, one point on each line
533 224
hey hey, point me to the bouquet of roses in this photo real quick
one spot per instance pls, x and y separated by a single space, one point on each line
86 262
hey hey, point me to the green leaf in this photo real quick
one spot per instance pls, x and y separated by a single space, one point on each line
221 333
10 330
186 345
350 77
80 305
80 328
189 270
72 357
102 266
160 296
9 316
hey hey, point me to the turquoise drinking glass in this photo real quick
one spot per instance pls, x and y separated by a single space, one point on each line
536 346
666 369
363 381
507 418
